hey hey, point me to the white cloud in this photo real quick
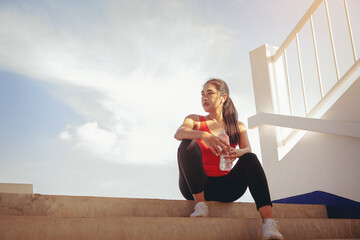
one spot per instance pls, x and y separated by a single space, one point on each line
145 61
66 136
94 139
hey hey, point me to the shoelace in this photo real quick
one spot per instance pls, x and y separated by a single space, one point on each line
275 226
199 206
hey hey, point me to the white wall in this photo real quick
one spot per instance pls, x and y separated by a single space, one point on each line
320 161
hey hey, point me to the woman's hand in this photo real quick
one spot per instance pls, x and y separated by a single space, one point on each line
215 143
235 153
231 154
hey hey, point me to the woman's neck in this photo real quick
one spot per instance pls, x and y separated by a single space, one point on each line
216 116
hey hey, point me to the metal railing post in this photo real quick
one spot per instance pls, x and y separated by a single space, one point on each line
316 56
288 82
350 30
332 40
301 73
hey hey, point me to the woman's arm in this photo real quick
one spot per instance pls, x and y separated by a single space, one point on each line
187 131
244 145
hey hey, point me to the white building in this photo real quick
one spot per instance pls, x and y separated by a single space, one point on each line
309 123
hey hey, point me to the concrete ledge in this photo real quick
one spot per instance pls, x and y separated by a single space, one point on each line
19 188
36 228
82 206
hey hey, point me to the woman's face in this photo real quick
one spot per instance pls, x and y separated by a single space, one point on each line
210 97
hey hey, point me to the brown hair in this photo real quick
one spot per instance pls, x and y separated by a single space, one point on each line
230 114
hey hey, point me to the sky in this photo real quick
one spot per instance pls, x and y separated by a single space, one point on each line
92 92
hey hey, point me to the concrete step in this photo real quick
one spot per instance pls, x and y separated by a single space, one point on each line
80 206
45 227
20 188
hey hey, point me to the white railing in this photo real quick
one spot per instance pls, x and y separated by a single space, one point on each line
294 36
290 140
340 128
272 72
308 18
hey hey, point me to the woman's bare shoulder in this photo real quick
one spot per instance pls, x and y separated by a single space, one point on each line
193 117
241 126
194 120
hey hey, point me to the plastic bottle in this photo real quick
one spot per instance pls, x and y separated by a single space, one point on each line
225 164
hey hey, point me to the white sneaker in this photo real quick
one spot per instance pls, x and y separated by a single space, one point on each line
270 229
201 210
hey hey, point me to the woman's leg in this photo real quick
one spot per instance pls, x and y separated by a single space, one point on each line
192 177
247 172
265 212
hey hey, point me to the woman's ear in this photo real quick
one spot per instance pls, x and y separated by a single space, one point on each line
225 96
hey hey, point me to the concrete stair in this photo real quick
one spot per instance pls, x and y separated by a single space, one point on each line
35 216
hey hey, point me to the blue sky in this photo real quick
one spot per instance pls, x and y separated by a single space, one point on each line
92 92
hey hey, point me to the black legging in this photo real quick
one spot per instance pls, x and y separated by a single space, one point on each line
247 172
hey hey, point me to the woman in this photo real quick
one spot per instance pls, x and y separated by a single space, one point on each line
199 152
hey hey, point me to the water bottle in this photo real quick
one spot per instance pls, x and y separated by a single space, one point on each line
225 164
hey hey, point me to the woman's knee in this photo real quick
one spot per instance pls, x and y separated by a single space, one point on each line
249 155
189 149
189 146
250 159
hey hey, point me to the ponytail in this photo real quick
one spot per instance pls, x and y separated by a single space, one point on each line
230 114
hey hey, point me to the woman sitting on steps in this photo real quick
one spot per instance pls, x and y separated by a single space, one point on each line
199 154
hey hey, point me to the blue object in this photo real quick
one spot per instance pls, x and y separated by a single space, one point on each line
337 207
